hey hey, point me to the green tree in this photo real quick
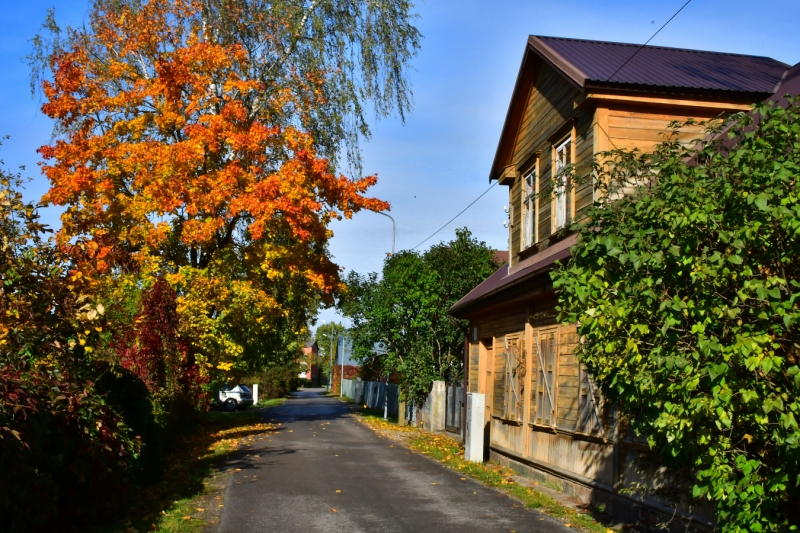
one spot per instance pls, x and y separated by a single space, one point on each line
686 291
400 320
326 336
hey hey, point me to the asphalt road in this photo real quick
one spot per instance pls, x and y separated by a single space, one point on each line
322 459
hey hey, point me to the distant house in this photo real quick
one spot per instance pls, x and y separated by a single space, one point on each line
572 99
309 367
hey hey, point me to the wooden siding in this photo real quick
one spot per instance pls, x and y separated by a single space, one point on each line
591 460
565 443
568 390
474 367
630 128
550 106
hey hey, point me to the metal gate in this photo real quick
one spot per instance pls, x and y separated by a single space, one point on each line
452 412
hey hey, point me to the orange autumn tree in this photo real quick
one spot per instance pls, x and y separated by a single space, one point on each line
190 148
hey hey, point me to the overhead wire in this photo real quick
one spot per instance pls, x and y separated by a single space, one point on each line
648 40
455 217
608 79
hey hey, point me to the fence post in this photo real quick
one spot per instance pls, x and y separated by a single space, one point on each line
438 399
255 393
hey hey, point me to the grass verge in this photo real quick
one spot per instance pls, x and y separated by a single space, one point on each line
451 454
190 494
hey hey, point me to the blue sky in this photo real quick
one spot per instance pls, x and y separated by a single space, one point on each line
438 162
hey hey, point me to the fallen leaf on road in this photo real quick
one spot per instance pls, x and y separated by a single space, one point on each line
463 479
220 506
567 524
290 431
334 510
434 483
337 490
200 510
238 469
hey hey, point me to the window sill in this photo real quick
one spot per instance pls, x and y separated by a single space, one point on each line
506 421
591 438
529 251
543 428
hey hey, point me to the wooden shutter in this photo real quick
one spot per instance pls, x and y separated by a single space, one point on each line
514 377
499 389
591 422
545 382
534 393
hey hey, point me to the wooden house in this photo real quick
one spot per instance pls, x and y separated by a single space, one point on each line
573 99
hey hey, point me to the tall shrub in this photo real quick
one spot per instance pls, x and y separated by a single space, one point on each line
687 292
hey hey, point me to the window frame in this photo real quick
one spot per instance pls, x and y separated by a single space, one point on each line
561 194
530 204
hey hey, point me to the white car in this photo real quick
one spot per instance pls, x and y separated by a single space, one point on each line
233 398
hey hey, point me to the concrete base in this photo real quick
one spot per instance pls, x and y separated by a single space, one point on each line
625 508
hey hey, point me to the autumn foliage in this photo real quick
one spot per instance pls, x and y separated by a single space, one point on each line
153 350
194 162
175 162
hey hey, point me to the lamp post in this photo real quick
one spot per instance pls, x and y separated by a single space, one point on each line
386 392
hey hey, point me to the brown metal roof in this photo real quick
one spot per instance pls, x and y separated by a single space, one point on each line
504 279
597 64
790 84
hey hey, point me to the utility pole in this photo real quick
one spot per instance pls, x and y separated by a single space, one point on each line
341 378
386 391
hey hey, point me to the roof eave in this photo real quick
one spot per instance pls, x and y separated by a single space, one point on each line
551 57
751 96
571 72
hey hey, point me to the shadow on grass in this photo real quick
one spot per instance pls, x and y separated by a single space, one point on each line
213 447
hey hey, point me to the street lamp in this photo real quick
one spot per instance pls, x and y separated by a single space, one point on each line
386 392
394 227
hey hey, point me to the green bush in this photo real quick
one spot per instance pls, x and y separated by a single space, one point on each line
278 381
687 292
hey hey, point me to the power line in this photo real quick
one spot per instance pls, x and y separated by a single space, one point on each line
609 78
650 39
455 217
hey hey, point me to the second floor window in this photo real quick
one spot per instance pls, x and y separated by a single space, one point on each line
563 159
528 209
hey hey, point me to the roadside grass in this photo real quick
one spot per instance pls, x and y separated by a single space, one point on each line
175 504
448 452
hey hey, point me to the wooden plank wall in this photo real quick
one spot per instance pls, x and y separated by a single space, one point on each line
567 382
474 367
550 105
630 128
